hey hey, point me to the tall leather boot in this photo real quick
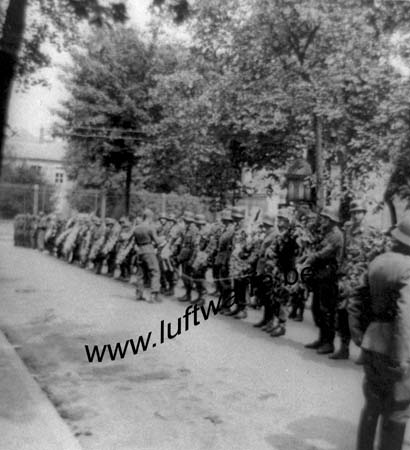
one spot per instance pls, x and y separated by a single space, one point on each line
186 297
343 352
265 319
316 344
392 435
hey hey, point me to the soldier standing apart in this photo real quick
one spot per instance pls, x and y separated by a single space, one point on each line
185 254
324 264
146 237
361 245
380 324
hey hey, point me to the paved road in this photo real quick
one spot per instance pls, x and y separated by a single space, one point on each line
221 384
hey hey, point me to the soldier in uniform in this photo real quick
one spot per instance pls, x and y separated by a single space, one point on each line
146 240
172 235
240 264
223 254
362 243
283 253
262 282
199 259
185 254
325 264
299 292
380 322
124 247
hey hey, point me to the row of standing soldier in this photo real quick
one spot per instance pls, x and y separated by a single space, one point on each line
247 260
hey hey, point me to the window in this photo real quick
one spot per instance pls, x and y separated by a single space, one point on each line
37 169
59 177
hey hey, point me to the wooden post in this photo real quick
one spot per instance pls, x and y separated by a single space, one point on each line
35 199
103 204
128 187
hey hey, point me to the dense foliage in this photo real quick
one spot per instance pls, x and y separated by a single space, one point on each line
253 83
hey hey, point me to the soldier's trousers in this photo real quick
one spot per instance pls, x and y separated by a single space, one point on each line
387 397
223 283
199 277
325 297
342 325
187 275
240 286
148 267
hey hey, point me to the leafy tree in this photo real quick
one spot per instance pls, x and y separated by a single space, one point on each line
108 109
55 21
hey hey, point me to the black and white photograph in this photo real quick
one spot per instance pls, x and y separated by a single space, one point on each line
204 224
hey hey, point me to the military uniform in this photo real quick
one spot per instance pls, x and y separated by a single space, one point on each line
361 245
200 259
324 264
380 322
299 291
145 237
282 256
185 254
240 264
223 254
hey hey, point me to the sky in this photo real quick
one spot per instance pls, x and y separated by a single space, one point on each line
32 110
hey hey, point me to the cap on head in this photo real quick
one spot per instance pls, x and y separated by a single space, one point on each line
199 219
402 231
283 214
268 220
331 214
172 218
148 214
358 205
188 216
238 213
226 215
163 215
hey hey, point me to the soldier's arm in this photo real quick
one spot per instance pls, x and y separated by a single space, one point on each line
332 242
359 310
154 236
401 349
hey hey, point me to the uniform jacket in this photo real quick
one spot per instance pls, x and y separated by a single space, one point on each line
380 309
145 235
188 244
325 261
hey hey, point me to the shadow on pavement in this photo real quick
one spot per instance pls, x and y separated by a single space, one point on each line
315 433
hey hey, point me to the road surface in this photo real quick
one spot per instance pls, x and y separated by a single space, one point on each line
221 384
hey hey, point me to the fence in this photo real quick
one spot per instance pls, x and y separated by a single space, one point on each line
25 198
112 204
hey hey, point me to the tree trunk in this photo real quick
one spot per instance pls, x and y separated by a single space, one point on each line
320 194
128 187
392 209
10 43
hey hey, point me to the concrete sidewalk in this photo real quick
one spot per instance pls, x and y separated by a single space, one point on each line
28 421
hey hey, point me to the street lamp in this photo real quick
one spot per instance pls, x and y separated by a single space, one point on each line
298 183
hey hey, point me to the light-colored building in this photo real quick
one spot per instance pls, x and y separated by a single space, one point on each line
43 154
